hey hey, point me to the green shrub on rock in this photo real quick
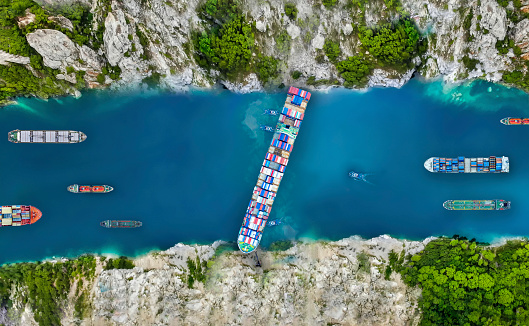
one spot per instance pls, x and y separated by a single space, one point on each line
291 11
266 68
355 71
332 50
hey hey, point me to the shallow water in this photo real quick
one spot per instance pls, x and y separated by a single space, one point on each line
185 165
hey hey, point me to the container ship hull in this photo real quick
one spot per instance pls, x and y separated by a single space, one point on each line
461 164
112 224
46 136
477 205
515 121
19 215
77 189
272 169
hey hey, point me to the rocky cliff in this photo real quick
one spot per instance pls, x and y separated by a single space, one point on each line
154 38
316 283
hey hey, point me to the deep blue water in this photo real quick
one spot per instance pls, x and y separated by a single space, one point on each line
185 165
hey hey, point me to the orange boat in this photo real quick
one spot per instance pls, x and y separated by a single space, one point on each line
19 215
88 189
515 121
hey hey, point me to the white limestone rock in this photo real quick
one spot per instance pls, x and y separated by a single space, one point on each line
56 49
250 84
6 58
115 37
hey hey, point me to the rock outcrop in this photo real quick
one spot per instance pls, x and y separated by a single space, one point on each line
457 31
6 58
314 283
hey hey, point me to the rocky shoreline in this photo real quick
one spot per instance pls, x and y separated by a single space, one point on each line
153 38
311 283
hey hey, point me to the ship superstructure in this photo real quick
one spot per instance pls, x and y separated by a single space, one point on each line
46 136
274 164
19 215
461 164
477 205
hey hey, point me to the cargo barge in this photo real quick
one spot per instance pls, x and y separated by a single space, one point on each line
515 121
477 205
111 224
46 136
77 189
19 215
272 169
461 164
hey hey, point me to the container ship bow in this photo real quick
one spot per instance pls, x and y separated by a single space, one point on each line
274 164
19 215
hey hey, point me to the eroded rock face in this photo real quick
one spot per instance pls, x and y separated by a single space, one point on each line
116 37
6 58
56 48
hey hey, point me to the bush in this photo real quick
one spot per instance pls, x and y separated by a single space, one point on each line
329 3
222 10
230 48
393 44
355 71
291 11
469 63
266 68
119 263
283 42
281 245
295 74
332 50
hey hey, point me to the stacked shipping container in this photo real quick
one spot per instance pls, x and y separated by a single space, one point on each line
18 215
272 170
493 164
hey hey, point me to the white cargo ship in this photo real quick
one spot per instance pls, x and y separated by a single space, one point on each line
46 136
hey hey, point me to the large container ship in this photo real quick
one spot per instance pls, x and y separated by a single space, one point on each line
493 164
274 164
19 215
120 224
46 136
89 189
477 205
515 121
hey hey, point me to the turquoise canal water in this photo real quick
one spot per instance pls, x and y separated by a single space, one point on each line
185 165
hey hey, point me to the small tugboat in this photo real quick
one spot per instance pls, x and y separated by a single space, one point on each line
89 189
111 224
267 128
515 121
358 176
271 112
274 223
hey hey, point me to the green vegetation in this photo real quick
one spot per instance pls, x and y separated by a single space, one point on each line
46 285
267 68
464 283
329 3
364 265
295 74
467 23
221 10
119 263
228 49
196 271
332 50
517 78
393 45
291 11
504 46
283 41
470 63
355 71
281 245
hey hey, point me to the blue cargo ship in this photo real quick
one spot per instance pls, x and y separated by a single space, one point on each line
274 164
461 164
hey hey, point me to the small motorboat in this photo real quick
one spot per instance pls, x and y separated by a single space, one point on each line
274 223
359 176
267 128
271 112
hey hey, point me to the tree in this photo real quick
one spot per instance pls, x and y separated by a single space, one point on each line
291 11
332 50
355 71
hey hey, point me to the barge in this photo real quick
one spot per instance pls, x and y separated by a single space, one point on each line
272 169
461 164
19 215
77 189
112 224
46 136
477 205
